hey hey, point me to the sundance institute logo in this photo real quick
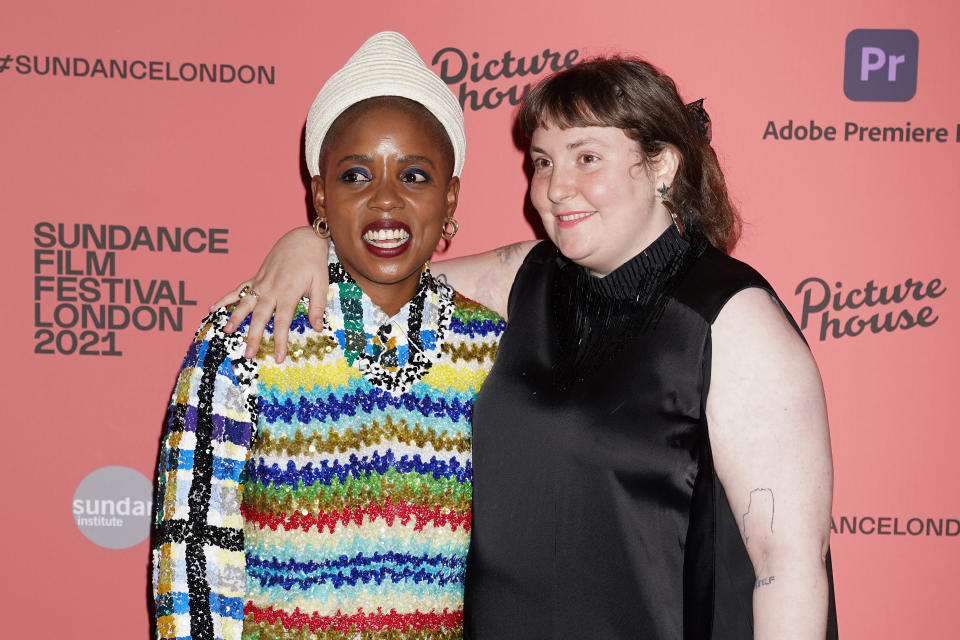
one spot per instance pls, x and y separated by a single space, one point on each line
112 507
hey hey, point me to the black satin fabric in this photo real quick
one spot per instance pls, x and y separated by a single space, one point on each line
596 509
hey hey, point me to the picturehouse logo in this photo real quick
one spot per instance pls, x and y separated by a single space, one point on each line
489 83
839 311
880 65
113 507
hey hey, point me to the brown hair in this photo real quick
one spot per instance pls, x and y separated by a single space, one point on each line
638 98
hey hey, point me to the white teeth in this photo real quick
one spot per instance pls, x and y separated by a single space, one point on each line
575 216
386 238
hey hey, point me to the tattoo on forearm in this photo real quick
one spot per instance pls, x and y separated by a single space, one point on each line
762 582
760 510
508 253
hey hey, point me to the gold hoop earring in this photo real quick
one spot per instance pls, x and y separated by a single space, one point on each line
673 214
446 234
320 227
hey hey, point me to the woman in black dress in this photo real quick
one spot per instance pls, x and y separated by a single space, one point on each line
651 451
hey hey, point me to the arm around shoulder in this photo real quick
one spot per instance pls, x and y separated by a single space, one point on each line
486 277
296 266
771 446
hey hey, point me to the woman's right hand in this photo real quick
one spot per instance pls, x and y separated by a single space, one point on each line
296 266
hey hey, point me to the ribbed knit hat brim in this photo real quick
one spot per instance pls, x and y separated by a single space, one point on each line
385 65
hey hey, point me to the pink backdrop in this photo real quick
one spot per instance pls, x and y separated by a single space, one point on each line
161 148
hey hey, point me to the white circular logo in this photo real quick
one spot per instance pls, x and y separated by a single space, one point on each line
113 507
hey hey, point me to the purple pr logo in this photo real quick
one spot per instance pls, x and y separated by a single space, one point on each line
880 65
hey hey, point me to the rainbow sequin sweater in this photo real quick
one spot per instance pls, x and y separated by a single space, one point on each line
328 496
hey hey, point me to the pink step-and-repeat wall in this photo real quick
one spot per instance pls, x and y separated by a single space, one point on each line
151 154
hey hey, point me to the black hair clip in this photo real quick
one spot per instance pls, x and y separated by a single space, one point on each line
700 119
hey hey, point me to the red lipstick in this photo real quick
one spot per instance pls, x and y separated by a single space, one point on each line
386 238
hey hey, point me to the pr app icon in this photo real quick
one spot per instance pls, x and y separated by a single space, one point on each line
880 65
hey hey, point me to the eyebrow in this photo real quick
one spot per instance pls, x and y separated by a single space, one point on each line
415 158
403 159
573 145
356 158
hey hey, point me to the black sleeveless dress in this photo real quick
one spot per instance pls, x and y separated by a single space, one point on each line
597 512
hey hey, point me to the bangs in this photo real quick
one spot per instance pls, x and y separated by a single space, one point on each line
574 97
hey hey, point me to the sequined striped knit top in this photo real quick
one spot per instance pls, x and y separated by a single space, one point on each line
328 496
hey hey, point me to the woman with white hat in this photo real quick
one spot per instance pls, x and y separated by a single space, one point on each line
329 495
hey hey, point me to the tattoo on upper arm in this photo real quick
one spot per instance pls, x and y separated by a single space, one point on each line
508 253
760 510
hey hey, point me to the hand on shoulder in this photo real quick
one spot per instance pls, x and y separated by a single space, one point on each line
295 267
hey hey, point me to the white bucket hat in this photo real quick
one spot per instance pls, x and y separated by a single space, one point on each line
385 65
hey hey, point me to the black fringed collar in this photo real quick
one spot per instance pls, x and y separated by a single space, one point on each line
624 282
595 317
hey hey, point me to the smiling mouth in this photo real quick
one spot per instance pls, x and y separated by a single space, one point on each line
386 238
566 220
